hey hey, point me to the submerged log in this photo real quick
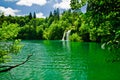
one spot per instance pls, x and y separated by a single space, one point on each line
8 68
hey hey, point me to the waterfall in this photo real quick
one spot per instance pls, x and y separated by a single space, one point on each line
66 35
63 38
103 45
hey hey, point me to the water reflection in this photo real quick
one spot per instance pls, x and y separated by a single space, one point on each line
66 45
73 65
53 60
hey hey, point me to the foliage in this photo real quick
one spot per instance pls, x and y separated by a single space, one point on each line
8 32
85 31
76 4
100 23
103 20
75 37
54 32
39 32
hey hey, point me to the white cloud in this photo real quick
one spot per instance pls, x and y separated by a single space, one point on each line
10 0
31 2
22 15
65 4
9 11
40 15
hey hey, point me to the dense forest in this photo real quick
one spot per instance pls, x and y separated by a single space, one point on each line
101 23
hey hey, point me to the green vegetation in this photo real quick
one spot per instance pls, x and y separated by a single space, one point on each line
99 24
8 32
75 37
50 28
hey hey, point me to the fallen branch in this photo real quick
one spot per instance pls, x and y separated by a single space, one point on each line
8 68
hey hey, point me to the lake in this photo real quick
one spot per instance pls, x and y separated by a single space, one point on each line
63 60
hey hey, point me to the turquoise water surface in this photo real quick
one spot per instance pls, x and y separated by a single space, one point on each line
62 60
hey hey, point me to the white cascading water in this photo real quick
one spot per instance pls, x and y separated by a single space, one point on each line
66 34
63 38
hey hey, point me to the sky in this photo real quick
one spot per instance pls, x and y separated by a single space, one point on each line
42 8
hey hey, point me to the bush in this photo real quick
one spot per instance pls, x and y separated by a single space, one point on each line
75 37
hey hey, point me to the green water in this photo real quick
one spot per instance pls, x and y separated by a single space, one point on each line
62 60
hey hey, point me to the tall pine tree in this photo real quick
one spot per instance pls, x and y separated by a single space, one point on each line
30 15
34 15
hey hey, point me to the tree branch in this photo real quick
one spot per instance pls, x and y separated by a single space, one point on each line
11 67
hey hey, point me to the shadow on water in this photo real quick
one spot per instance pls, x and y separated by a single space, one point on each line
62 60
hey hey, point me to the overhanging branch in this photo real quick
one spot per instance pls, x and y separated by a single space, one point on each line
8 68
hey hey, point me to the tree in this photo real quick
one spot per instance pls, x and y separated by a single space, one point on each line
2 17
50 19
8 32
7 48
103 17
56 14
54 32
30 15
34 15
76 4
50 15
75 37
